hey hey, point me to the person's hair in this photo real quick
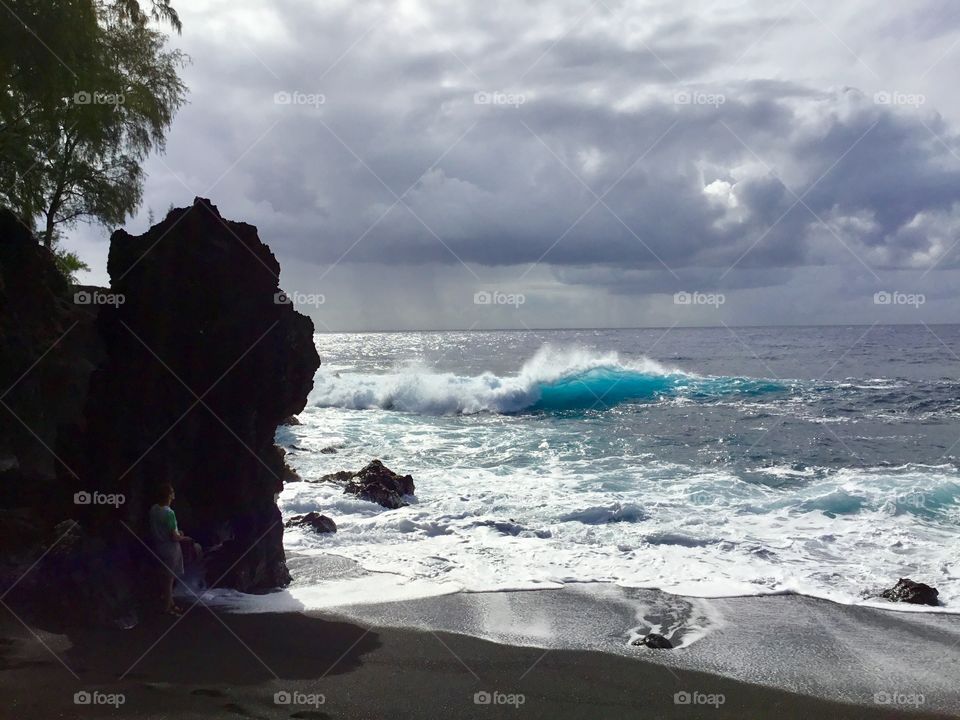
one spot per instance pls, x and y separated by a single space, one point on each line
164 491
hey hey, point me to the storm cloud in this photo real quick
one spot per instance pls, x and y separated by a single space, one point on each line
597 157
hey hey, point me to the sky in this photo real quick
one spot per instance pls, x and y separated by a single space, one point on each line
473 165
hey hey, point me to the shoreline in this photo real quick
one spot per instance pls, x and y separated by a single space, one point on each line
329 566
565 652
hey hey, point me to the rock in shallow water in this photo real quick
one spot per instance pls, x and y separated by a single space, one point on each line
315 521
654 642
908 591
376 483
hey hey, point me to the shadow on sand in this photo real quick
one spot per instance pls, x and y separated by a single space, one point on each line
204 647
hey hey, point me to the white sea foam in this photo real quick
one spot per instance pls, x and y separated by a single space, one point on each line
478 532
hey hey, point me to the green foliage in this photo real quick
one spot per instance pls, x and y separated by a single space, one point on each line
160 11
39 47
90 89
68 263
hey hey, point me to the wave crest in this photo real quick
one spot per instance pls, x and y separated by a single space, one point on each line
551 380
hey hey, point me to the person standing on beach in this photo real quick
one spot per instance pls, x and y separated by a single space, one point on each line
165 538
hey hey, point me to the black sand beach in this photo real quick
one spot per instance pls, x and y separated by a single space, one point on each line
230 665
857 654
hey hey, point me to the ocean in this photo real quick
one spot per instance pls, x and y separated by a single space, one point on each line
704 462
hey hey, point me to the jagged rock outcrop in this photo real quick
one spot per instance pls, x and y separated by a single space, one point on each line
179 373
376 483
48 347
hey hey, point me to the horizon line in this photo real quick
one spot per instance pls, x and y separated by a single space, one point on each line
635 327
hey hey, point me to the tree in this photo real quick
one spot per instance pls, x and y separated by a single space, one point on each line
91 90
131 12
40 45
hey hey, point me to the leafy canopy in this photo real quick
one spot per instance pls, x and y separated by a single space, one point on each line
90 89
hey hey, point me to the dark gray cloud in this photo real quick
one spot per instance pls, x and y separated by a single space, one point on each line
737 147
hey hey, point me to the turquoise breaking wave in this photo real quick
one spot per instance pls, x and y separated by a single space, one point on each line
551 381
606 387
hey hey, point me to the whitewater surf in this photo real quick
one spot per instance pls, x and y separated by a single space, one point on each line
552 380
544 459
